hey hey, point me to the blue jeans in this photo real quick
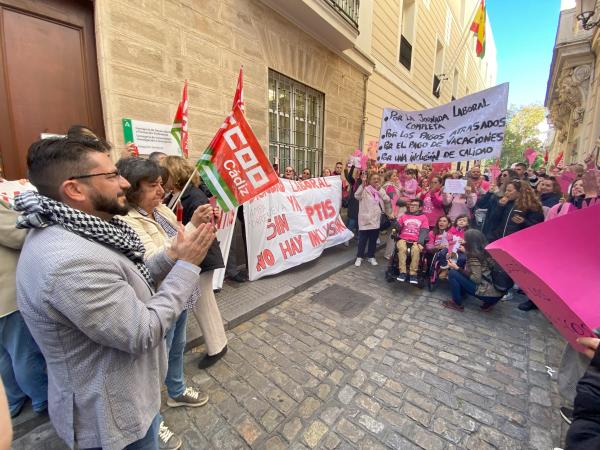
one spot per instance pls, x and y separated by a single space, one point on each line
461 285
22 365
175 346
148 442
352 224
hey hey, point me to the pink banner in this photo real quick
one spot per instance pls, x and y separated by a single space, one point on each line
557 264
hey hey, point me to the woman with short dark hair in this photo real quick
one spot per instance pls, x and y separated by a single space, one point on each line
206 310
157 226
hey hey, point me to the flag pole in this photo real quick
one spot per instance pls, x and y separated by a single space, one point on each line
174 200
462 41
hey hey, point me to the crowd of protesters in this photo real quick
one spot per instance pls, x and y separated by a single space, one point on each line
108 233
452 229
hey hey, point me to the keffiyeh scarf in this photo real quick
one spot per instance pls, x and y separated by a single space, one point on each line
39 211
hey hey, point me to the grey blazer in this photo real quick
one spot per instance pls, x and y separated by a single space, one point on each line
101 329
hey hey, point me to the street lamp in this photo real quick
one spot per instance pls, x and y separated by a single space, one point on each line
588 8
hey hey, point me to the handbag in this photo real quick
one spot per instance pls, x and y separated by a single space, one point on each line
498 277
384 222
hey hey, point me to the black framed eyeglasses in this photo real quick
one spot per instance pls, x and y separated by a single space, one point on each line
110 175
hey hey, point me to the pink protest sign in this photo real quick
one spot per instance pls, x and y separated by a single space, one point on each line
494 172
530 154
561 278
565 179
372 150
395 206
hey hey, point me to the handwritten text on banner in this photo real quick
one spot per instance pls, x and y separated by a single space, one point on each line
293 223
469 128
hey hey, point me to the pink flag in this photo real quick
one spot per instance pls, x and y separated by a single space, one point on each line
565 179
494 172
395 206
530 154
364 162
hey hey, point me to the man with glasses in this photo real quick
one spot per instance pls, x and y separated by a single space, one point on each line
414 228
92 306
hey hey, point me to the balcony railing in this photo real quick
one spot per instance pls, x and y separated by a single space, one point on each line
348 9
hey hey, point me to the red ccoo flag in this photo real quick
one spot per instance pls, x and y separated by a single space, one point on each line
234 166
179 130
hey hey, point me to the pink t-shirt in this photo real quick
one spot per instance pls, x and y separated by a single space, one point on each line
411 226
454 235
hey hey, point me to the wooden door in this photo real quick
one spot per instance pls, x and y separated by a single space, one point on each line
48 74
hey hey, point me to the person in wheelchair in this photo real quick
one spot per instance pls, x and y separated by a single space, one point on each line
413 229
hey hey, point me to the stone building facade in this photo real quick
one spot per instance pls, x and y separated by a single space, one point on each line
317 73
573 93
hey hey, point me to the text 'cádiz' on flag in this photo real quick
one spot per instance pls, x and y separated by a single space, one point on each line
234 166
469 128
179 130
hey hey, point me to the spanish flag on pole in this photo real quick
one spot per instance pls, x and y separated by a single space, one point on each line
478 27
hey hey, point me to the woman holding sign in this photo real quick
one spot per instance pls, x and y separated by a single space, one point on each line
372 201
459 203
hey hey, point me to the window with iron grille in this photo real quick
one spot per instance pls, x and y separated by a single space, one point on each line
295 124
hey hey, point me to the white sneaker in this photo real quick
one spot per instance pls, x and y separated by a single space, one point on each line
373 261
358 262
167 440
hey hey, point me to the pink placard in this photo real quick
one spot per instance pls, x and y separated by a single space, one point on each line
494 172
565 179
530 154
562 279
395 207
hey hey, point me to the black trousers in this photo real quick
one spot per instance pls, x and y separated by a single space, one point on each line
367 239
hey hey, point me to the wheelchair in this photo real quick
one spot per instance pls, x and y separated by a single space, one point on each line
392 271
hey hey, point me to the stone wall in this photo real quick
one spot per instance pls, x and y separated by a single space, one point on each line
146 49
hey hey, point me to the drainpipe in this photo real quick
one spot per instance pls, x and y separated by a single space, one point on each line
361 138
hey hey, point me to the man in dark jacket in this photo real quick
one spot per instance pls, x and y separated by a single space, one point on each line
584 432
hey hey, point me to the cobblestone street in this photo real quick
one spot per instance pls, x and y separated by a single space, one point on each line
403 373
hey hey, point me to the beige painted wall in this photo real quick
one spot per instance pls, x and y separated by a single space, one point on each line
146 49
392 85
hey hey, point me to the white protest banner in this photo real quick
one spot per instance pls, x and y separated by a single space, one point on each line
10 189
225 227
469 128
455 186
150 137
292 223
